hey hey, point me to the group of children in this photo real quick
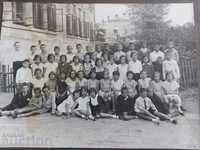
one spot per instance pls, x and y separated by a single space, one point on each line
121 84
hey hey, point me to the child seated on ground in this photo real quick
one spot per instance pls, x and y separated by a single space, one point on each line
170 88
65 108
116 85
145 109
106 90
97 105
83 110
19 100
125 105
34 106
144 81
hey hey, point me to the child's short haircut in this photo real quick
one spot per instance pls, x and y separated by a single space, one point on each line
129 72
116 73
133 53
56 47
37 90
26 60
52 73
76 91
92 90
36 70
84 88
48 57
45 87
123 89
63 56
75 57
142 90
37 56
78 45
168 73
32 46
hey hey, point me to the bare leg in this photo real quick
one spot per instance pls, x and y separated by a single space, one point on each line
146 117
105 115
165 117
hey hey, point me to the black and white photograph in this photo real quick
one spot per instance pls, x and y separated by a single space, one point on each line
100 75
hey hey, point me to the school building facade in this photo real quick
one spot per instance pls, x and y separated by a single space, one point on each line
52 23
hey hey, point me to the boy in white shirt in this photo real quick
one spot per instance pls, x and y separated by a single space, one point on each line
135 66
156 53
24 74
70 55
145 109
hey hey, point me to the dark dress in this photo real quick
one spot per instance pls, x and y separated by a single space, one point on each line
62 89
161 107
64 67
18 101
124 105
158 68
101 107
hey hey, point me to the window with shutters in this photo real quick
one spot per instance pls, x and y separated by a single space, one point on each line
69 24
18 13
40 15
51 17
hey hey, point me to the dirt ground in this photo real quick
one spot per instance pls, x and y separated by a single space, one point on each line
50 131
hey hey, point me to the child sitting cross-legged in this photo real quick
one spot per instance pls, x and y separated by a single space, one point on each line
145 109
83 110
35 106
125 105
97 105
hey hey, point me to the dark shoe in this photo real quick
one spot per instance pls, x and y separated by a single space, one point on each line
183 109
14 115
174 121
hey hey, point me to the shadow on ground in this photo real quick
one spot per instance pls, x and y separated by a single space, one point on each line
50 131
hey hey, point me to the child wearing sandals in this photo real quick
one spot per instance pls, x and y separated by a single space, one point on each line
170 88
97 105
65 108
83 110
145 109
